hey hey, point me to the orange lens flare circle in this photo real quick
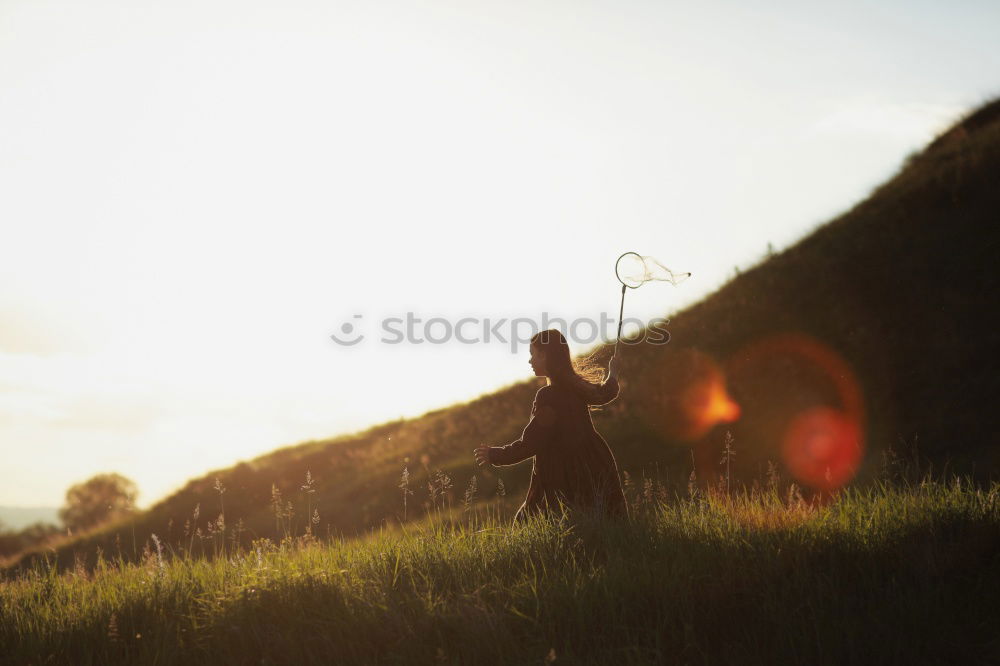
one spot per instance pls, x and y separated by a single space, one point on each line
706 403
822 443
691 396
822 448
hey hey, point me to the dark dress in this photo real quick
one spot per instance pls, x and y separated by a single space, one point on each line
573 463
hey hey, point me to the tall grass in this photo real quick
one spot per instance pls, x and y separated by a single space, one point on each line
890 574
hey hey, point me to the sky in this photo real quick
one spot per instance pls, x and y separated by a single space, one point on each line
194 196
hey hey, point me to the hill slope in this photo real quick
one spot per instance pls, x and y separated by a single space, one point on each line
881 320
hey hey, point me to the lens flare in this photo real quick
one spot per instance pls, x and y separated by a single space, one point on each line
802 395
822 448
690 396
706 403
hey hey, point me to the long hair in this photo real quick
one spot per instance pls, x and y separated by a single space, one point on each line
582 375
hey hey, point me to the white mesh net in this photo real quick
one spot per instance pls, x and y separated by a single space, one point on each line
634 271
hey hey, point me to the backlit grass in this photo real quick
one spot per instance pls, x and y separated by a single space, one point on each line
891 574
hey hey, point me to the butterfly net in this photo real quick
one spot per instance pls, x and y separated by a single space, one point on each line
634 271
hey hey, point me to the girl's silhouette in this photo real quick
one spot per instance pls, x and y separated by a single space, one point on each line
573 463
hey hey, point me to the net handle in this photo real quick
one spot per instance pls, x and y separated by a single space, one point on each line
621 308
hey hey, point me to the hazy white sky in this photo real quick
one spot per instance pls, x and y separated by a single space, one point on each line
195 195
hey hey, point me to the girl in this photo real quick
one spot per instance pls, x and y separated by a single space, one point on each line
573 463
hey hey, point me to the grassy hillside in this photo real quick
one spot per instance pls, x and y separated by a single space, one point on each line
887 575
885 313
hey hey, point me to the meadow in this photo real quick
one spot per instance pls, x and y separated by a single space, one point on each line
900 572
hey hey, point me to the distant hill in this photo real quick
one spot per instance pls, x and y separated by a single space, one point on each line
17 517
877 329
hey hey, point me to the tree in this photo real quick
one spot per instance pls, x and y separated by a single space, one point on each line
98 500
